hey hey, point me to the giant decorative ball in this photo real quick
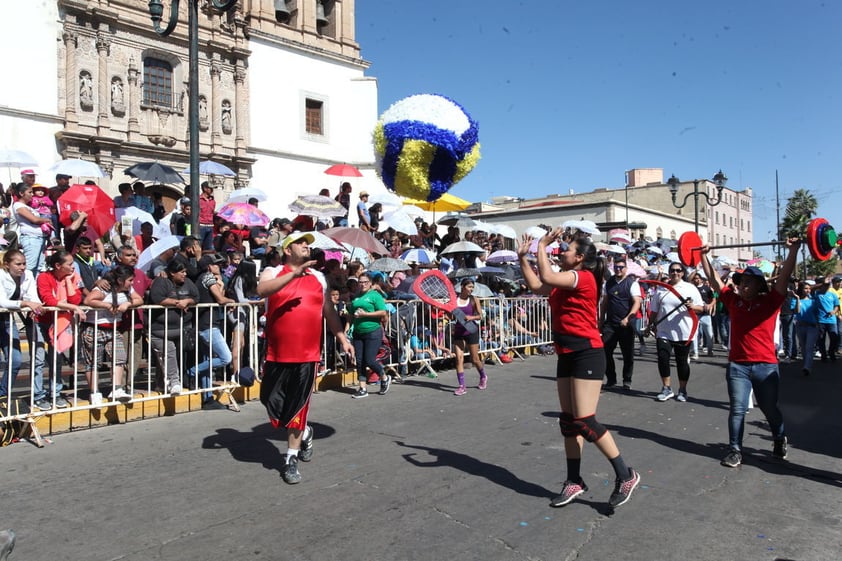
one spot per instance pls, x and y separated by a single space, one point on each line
425 144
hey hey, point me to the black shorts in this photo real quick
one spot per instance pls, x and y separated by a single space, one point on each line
286 389
470 338
587 364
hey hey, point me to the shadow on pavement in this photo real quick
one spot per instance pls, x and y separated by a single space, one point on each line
258 445
493 473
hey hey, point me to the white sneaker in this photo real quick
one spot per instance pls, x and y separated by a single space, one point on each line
694 356
119 394
175 389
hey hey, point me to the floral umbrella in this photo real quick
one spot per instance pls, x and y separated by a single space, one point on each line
243 213
502 256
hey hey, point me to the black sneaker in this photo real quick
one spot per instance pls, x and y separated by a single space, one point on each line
569 492
291 475
213 405
623 489
780 448
733 459
360 393
306 452
385 382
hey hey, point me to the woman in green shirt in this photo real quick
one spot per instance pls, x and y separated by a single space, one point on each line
367 310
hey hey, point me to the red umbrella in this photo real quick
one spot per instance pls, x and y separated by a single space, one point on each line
91 200
343 170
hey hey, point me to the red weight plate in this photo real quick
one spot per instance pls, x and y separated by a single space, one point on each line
814 242
689 244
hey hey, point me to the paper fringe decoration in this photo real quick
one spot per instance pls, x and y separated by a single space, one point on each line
425 144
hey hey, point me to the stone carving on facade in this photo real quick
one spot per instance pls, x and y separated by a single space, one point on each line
86 90
227 126
204 121
118 103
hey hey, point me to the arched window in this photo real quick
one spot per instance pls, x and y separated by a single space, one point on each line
157 82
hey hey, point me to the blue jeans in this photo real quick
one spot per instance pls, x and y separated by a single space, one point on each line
764 378
828 339
33 249
807 335
220 355
366 347
788 341
705 333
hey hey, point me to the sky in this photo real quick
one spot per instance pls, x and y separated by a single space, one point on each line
571 95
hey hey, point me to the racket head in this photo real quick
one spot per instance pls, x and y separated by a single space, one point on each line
434 288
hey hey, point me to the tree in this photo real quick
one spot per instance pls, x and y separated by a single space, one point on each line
800 209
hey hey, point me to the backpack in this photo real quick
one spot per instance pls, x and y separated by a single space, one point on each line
12 430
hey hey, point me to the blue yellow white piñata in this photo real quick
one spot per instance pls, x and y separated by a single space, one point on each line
425 144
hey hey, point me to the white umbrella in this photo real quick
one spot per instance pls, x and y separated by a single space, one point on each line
587 226
673 257
418 255
243 195
502 256
654 249
480 226
386 199
619 235
138 217
323 242
617 249
413 211
76 168
504 230
209 167
16 159
462 247
465 223
157 248
400 221
535 232
482 291
533 247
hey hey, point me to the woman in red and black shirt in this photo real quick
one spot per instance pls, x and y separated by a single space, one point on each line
574 294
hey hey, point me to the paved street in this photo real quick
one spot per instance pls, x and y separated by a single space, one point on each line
420 474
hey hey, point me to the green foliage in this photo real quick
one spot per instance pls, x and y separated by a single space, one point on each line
821 268
800 209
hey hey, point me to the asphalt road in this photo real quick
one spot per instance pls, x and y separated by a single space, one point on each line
420 474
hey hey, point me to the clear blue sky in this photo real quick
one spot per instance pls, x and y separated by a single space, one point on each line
570 95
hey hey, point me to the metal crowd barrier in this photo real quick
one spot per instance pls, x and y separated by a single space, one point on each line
508 325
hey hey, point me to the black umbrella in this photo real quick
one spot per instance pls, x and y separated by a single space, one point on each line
154 172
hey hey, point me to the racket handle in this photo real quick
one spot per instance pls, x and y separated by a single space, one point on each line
470 326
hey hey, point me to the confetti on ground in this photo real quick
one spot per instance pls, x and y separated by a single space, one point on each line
524 523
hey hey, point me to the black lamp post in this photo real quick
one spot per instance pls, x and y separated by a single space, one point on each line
719 179
156 12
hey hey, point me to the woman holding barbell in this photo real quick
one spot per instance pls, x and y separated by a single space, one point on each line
753 362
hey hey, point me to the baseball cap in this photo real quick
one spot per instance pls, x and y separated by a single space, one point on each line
211 259
752 272
28 172
837 278
296 237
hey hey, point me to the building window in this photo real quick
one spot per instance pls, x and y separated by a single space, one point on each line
717 217
748 225
157 82
314 117
742 224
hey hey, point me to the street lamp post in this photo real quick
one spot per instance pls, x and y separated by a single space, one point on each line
156 12
719 179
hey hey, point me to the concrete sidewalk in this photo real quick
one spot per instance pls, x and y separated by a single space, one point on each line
420 474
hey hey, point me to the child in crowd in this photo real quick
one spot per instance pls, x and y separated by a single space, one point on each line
43 205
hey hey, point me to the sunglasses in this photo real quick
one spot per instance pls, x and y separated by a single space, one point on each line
619 266
676 271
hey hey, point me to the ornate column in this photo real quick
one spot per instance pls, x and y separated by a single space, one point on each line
133 101
71 41
241 103
103 45
215 105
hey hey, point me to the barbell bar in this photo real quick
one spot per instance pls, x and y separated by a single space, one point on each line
821 240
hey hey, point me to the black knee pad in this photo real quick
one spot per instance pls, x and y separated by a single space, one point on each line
590 428
568 425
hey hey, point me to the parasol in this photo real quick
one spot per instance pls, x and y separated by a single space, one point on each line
76 168
318 206
154 172
91 200
243 214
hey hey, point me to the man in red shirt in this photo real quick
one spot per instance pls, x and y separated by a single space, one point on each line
207 208
753 361
295 304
